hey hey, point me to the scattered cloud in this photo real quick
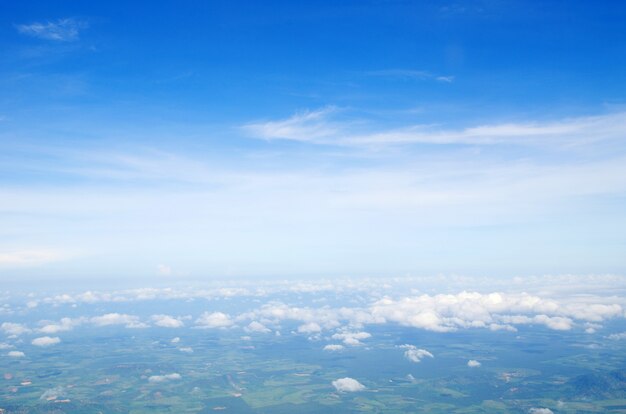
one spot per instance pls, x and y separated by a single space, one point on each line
415 354
310 328
186 349
14 329
333 347
65 324
348 384
164 378
351 338
109 319
61 30
46 341
175 340
472 363
540 411
164 270
255 326
16 354
166 321
214 320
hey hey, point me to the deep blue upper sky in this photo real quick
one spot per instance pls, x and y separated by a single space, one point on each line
285 137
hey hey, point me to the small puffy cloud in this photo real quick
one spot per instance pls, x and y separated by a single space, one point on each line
351 338
166 321
540 411
46 341
16 354
348 384
617 336
333 347
175 340
186 349
255 326
214 320
14 329
472 363
4 345
109 319
65 324
309 328
62 30
414 354
164 378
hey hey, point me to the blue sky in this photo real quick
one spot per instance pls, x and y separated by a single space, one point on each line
382 138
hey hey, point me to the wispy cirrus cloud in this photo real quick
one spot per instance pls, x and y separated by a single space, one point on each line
410 74
61 30
31 257
322 127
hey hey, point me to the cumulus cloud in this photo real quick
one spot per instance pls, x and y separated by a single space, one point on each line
65 324
175 340
333 347
540 411
444 313
16 354
109 319
414 354
255 326
46 341
617 336
351 338
472 363
309 328
166 321
62 30
164 378
14 329
348 384
186 349
214 320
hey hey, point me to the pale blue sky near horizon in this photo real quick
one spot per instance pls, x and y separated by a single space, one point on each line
174 140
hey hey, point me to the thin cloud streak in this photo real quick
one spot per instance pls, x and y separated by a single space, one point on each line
61 30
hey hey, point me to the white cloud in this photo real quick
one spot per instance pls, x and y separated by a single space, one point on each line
319 127
214 320
304 126
351 338
14 329
65 324
186 349
164 378
109 319
255 326
348 384
46 341
309 328
164 270
175 340
166 321
333 347
617 336
415 354
23 258
63 30
4 345
16 354
472 363
540 411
